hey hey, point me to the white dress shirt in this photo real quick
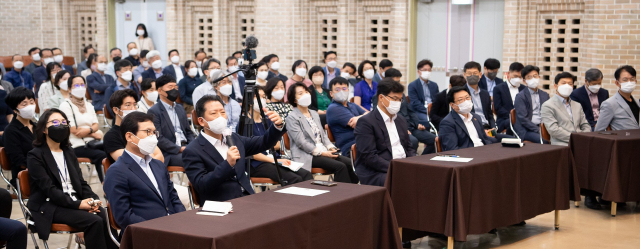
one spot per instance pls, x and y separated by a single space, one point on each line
63 171
473 133
178 70
236 86
396 147
203 89
144 165
513 91
220 145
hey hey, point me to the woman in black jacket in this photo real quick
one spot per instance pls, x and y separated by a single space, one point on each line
59 194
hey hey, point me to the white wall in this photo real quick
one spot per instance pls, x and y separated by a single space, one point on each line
142 12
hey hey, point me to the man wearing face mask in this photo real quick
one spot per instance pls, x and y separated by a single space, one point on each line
381 135
138 186
331 69
591 95
480 98
342 115
124 81
489 79
143 66
98 82
171 118
273 62
462 128
440 107
504 96
237 80
134 56
384 65
621 111
176 70
86 51
19 133
561 115
422 91
215 162
155 71
35 61
200 58
40 74
528 104
18 76
116 55
212 71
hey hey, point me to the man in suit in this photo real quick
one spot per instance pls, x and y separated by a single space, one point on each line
124 81
562 116
175 69
342 115
440 107
137 186
48 56
504 95
528 105
384 65
591 95
237 80
462 128
35 63
422 91
489 79
331 69
621 111
215 163
116 55
381 135
98 82
86 51
481 99
155 70
273 62
170 117
18 76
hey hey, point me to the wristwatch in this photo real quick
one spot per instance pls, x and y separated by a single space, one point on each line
90 130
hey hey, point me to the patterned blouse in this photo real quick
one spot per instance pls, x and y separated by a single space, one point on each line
283 109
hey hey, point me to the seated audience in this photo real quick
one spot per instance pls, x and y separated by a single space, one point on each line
98 83
591 95
560 115
133 57
309 143
462 128
365 90
200 58
36 61
349 72
155 70
620 112
6 85
237 79
19 133
342 115
47 90
528 104
504 95
46 56
63 92
275 92
217 170
381 135
115 55
148 95
384 65
144 66
40 74
489 79
273 62
86 52
13 232
212 70
18 76
331 70
91 63
300 70
320 98
127 181
124 80
480 98
176 70
422 92
6 114
262 74
440 107
171 119
188 84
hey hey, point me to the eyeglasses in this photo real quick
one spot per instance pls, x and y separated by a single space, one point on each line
339 89
627 79
463 100
57 122
528 77
78 85
393 98
151 132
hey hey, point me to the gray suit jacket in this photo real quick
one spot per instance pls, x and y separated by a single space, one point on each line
558 122
301 137
616 112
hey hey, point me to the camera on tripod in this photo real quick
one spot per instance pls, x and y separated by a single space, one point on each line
249 54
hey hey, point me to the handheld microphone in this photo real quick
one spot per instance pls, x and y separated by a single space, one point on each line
227 135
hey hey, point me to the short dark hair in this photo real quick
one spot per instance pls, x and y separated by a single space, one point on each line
70 81
188 63
230 58
56 48
90 59
453 91
527 69
41 126
236 52
120 64
146 84
386 63
86 49
470 65
50 68
58 77
424 62
45 49
565 75
593 74
457 80
388 85
314 70
268 58
171 51
296 64
626 68
130 123
198 52
143 53
328 53
271 84
118 97
492 64
205 65
202 102
361 67
163 80
291 93
146 34
338 81
392 72
33 49
114 49
17 95
349 64
516 67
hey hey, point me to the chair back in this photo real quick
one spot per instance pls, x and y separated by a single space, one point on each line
544 133
408 100
285 137
106 164
37 107
4 160
351 100
512 116
25 189
353 152
112 221
87 95
194 194
179 101
329 134
429 108
609 127
438 146
107 114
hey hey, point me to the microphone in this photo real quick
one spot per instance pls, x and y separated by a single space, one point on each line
227 135
251 42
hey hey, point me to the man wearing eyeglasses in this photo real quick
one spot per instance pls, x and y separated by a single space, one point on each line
138 186
528 105
381 135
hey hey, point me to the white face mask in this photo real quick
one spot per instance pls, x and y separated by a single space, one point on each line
565 90
318 80
48 60
125 113
63 85
157 64
332 64
28 112
213 72
533 83
133 52
394 106
465 107
515 82
305 100
263 75
301 72
147 145
341 96
145 64
193 72
255 104
175 59
232 69
78 92
140 32
369 74
127 76
102 67
226 90
345 75
217 125
199 63
152 96
18 64
36 57
278 95
594 88
275 66
425 75
58 58
628 87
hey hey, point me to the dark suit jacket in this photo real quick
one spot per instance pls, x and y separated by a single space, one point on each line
325 84
234 94
483 83
150 74
416 95
373 147
439 108
281 76
171 71
454 134
95 82
212 176
46 186
133 197
485 98
40 75
503 104
167 139
582 96
524 112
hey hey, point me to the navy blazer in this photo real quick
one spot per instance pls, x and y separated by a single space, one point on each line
503 104
416 95
454 134
325 84
95 82
212 176
111 89
281 76
167 139
241 82
524 112
582 96
485 98
483 83
133 197
150 74
40 75
171 71
373 147
439 108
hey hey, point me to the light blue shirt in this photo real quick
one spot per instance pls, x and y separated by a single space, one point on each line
477 104
535 105
120 85
567 105
490 85
233 110
137 73
144 165
173 116
427 93
110 70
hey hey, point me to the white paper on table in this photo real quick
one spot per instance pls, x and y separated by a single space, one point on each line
452 159
211 213
294 166
302 191
217 208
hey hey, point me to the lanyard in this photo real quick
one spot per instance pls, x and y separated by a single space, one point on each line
64 177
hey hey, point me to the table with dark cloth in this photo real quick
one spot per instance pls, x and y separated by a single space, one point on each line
349 216
608 164
501 186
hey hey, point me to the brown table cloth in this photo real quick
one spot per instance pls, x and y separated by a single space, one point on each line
501 186
349 216
608 164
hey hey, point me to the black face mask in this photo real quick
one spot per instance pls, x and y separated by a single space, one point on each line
172 95
59 133
492 75
116 59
